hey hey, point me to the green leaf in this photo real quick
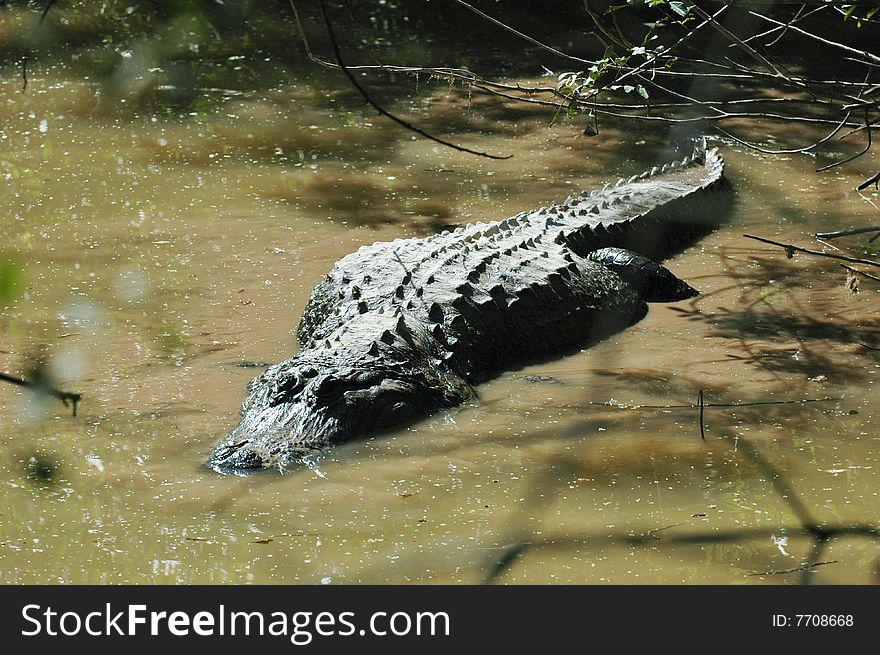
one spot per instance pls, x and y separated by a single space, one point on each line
642 91
680 8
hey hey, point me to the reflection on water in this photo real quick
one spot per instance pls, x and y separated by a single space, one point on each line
165 260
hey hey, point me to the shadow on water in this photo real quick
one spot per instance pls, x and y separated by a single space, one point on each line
42 469
666 538
776 328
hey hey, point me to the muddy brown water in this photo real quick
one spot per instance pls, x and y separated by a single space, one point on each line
160 254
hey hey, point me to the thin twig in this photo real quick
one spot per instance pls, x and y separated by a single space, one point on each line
796 569
702 411
862 273
405 269
816 37
384 112
840 125
673 47
790 250
848 232
64 396
653 532
756 403
855 156
598 23
819 545
874 179
744 46
791 22
24 60
521 35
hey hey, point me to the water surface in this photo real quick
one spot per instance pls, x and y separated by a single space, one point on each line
165 257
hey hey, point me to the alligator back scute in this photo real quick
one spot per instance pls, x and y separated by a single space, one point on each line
650 214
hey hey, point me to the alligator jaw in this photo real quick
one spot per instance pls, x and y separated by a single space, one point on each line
321 398
278 449
280 436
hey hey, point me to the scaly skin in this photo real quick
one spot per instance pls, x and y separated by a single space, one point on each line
398 330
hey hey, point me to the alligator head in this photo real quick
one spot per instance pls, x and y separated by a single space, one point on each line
323 397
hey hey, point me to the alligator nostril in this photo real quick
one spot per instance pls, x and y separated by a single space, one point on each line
230 458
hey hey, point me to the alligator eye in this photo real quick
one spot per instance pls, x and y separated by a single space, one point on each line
308 372
286 389
330 388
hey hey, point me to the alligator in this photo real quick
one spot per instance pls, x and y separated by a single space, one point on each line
400 329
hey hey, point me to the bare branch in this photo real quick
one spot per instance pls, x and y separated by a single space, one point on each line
874 179
24 59
521 35
790 250
846 233
863 274
733 37
834 44
64 396
369 100
855 156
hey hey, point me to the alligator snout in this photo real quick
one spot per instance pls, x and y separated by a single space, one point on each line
235 458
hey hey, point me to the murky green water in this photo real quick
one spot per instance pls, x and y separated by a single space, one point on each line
160 254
